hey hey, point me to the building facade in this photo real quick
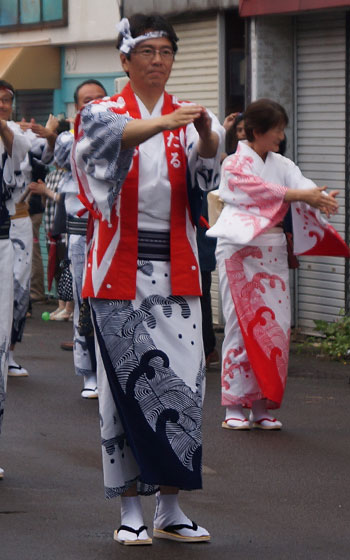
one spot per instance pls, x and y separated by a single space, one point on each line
47 47
300 58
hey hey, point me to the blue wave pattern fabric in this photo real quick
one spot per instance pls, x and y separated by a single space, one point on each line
158 401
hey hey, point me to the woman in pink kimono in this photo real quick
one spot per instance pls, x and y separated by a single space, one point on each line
257 187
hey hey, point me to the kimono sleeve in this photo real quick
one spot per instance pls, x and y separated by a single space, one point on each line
204 171
294 179
100 164
20 147
63 148
252 204
98 152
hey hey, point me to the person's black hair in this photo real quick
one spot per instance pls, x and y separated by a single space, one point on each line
63 126
231 135
262 115
90 81
141 23
7 85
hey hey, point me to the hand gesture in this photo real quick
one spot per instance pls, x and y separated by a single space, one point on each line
38 187
52 123
203 124
25 125
182 116
318 199
229 121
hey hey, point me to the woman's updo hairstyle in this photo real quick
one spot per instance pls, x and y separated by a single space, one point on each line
262 115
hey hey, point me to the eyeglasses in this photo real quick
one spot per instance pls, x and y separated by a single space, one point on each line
6 100
150 52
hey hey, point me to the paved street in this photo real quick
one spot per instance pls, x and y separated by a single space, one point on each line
267 496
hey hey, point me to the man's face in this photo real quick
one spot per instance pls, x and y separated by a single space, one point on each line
87 93
149 69
5 105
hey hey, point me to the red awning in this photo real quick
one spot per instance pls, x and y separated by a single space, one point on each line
263 7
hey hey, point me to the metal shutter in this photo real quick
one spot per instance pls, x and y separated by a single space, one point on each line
320 103
36 104
195 76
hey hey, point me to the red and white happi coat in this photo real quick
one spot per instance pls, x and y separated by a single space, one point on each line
109 187
253 192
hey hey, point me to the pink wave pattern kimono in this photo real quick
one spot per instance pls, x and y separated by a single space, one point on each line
253 270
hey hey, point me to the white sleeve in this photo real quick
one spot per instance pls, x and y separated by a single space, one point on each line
204 171
20 147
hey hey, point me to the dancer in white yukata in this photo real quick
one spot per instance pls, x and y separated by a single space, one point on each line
257 187
21 235
84 346
142 277
13 148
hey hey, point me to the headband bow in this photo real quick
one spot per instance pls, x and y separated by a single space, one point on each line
128 43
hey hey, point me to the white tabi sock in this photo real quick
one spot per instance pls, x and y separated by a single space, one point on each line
259 410
235 412
132 516
168 512
12 361
90 381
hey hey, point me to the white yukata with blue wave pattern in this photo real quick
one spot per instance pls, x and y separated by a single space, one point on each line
150 357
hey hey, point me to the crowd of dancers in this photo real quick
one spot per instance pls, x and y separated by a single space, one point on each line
129 183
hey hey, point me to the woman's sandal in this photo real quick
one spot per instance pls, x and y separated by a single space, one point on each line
236 424
265 423
136 532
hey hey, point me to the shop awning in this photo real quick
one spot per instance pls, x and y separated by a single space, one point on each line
31 67
264 7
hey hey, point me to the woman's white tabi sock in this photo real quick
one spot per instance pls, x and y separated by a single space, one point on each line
168 512
259 410
132 516
235 412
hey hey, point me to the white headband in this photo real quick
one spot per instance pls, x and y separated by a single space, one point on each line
7 89
128 43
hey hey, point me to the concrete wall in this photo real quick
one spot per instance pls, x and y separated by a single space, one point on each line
88 22
275 65
101 58
173 7
81 62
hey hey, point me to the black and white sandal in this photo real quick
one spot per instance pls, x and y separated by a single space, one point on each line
89 393
144 539
181 533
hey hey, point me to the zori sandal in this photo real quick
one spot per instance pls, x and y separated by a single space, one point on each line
266 423
135 537
182 533
236 424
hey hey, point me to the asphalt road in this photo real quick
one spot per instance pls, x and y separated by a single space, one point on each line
273 496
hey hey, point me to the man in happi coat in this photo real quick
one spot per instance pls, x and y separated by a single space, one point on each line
142 278
13 149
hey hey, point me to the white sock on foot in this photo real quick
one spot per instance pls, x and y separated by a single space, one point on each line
235 412
259 410
131 515
131 511
12 361
168 512
90 381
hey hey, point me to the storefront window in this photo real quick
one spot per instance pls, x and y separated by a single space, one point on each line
31 14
